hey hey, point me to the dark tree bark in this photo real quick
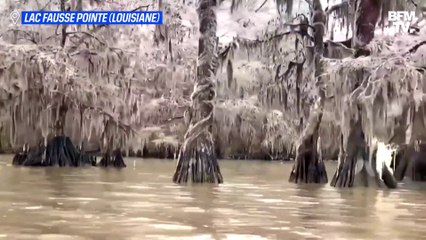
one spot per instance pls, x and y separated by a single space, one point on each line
64 26
20 157
197 155
160 33
353 159
60 117
411 162
418 162
59 151
309 166
367 14
358 165
111 158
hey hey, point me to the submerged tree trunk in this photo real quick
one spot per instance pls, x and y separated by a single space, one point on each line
64 26
309 166
418 163
359 162
353 165
59 151
197 154
362 161
411 162
111 158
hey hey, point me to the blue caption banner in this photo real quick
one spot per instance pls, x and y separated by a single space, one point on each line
91 17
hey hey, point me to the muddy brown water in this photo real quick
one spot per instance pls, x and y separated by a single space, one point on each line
255 202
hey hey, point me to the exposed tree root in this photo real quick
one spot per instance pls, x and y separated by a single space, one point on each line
60 152
309 166
198 162
116 160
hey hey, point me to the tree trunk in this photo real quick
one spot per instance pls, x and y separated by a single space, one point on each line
197 154
111 157
160 33
411 162
58 151
358 163
61 115
309 166
366 16
64 27
79 7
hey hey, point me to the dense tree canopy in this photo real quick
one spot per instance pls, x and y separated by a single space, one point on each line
135 81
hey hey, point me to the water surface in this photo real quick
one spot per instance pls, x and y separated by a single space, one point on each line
256 202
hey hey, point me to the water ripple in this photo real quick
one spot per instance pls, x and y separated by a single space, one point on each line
256 202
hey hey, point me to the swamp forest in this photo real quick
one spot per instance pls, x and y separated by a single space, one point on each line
269 81
302 83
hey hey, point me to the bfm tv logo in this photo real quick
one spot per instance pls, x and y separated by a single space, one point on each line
401 20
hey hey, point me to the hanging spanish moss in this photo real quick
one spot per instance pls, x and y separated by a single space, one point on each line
354 90
381 112
267 86
109 72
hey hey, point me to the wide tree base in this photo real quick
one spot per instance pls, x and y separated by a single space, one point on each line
20 158
309 166
359 173
198 165
59 152
308 171
360 168
411 163
116 161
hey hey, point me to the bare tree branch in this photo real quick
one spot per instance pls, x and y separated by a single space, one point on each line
337 7
88 34
415 47
261 6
